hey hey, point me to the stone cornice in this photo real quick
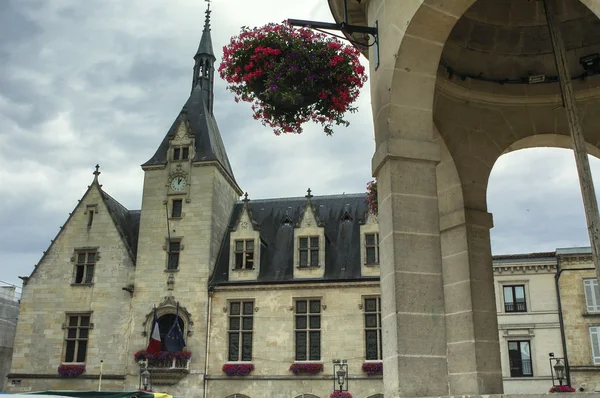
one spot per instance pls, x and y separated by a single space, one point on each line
455 91
525 268
270 287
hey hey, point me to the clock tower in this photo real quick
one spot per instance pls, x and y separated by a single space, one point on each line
189 191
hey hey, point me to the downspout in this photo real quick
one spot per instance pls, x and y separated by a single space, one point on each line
208 318
559 271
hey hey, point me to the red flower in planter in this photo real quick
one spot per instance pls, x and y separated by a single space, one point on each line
241 369
562 389
308 368
372 368
371 198
71 370
292 76
340 394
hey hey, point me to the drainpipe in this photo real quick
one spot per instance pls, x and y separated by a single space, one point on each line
559 272
206 353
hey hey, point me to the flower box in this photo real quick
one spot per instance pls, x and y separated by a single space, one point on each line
340 394
292 76
238 369
162 355
306 368
372 368
70 370
562 389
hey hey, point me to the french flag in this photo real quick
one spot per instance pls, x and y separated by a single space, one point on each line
155 344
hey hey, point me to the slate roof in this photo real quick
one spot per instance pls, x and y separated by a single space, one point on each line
342 238
203 126
126 221
524 256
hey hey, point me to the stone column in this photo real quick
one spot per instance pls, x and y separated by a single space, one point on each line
413 322
471 318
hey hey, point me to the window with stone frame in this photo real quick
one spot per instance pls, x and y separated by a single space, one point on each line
592 295
76 339
244 254
85 263
176 207
373 337
308 330
241 325
371 248
595 340
519 357
514 298
181 152
174 250
308 250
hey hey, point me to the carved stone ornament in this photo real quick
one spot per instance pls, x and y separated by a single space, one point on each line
178 172
244 225
168 306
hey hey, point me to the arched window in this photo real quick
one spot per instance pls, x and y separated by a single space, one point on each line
237 396
376 396
306 396
164 325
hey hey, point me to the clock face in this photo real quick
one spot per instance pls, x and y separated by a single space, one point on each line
178 183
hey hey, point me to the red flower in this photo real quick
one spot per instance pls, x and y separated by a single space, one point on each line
309 368
233 369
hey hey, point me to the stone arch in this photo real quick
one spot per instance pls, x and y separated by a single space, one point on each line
548 141
375 396
169 307
306 396
237 396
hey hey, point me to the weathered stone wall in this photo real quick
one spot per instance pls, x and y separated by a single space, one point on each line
207 204
342 337
575 268
50 294
9 310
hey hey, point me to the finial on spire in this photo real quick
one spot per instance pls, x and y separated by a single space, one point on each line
207 19
96 173
308 195
246 200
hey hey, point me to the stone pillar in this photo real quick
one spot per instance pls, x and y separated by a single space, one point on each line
413 322
471 318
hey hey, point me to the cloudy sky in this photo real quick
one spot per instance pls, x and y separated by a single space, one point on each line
100 81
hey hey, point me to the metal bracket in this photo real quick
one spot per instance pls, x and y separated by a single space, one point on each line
345 27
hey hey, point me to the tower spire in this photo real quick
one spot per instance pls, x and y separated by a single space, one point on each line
204 67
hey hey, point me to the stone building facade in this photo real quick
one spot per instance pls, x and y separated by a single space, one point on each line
9 311
528 320
579 300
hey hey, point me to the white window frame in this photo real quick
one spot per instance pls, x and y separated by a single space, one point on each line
592 302
595 335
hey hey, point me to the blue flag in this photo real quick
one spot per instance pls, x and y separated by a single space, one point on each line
174 341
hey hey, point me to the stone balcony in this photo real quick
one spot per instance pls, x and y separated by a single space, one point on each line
168 371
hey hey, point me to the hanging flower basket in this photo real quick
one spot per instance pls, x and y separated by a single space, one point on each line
372 368
562 389
371 198
70 370
292 76
306 368
242 369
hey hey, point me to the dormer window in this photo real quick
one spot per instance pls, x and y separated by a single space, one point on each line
308 248
244 254
372 248
181 152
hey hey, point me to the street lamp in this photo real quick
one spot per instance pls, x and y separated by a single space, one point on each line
557 369
340 375
145 376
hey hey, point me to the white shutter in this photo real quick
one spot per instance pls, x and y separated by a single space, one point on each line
592 295
595 338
